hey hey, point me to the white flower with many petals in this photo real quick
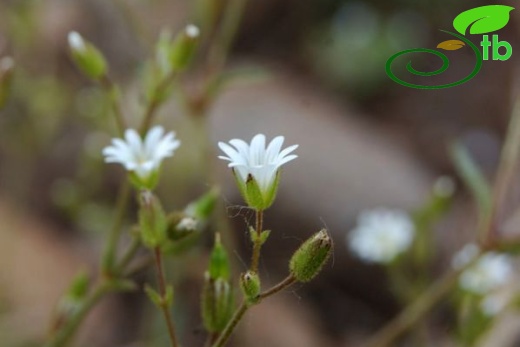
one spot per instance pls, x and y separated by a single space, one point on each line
491 271
256 167
381 235
142 157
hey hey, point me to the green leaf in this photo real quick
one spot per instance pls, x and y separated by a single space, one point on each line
482 20
153 295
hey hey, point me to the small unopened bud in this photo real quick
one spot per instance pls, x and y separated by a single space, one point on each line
6 72
219 266
152 220
217 303
87 57
184 46
309 259
250 285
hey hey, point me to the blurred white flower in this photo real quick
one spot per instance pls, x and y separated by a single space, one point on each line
142 157
464 256
489 272
381 235
494 303
258 162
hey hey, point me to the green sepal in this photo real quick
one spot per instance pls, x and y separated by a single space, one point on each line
250 286
203 207
219 266
90 61
153 296
254 196
152 220
264 235
181 245
144 183
271 192
216 303
307 262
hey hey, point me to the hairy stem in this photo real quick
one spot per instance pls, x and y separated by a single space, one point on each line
226 334
257 245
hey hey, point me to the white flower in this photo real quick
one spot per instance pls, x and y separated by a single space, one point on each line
142 157
258 163
489 272
381 235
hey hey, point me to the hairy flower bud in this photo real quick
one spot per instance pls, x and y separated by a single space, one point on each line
219 266
152 220
250 285
216 303
309 259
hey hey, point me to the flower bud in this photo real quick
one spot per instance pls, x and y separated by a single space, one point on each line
183 47
219 266
217 303
6 73
309 259
152 220
250 285
87 57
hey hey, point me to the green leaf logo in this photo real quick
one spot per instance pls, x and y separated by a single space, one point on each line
482 20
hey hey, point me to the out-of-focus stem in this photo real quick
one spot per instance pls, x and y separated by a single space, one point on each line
165 308
505 174
109 253
413 313
112 91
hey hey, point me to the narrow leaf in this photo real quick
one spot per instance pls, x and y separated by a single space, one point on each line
473 178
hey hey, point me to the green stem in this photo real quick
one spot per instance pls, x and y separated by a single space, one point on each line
288 281
129 254
257 243
156 102
164 304
109 253
239 313
113 92
226 334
